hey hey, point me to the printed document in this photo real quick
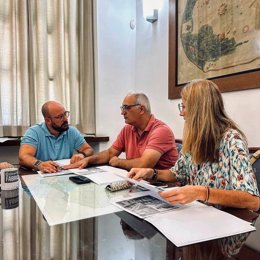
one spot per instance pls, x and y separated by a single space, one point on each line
183 224
62 163
99 175
144 204
104 174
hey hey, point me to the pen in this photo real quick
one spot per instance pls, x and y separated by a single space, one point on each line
59 168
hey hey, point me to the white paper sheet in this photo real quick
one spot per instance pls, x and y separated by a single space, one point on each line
104 178
104 174
185 224
99 175
62 163
114 170
196 223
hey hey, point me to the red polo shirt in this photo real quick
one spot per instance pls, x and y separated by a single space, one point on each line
157 135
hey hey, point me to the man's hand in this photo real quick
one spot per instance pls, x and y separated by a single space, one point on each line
140 173
114 161
49 166
76 157
4 165
83 163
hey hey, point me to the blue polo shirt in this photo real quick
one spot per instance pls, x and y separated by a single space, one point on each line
50 147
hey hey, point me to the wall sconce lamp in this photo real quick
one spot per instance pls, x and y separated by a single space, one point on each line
150 10
152 18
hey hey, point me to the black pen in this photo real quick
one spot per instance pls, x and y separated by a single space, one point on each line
59 168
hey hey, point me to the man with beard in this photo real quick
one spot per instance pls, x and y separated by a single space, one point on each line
145 140
52 140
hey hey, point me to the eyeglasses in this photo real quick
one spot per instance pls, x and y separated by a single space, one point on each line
128 107
181 107
61 116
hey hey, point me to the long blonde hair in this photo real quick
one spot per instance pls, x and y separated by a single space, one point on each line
205 120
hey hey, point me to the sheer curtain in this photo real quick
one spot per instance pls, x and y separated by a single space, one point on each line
46 53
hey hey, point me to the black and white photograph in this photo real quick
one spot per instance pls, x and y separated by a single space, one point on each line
145 206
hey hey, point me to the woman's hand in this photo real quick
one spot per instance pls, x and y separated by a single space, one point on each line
185 194
140 173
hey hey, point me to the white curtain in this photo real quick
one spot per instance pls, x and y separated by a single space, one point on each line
46 53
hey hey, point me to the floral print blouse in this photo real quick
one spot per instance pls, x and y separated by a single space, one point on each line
233 171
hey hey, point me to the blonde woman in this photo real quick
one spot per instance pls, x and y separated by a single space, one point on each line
214 161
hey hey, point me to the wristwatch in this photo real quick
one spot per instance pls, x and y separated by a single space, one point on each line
36 164
155 175
85 155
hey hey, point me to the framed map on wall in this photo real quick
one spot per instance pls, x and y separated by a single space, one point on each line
214 39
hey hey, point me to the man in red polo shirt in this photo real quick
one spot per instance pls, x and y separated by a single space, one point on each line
146 141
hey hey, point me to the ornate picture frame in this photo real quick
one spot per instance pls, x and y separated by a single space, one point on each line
243 80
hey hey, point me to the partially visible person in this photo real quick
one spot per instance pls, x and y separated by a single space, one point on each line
5 165
146 141
52 140
214 162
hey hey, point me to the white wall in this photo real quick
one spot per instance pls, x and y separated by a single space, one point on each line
115 55
152 67
138 60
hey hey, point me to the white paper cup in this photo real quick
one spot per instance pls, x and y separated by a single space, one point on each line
9 179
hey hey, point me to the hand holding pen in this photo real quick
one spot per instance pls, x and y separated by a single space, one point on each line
50 167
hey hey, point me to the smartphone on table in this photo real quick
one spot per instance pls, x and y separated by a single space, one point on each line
80 179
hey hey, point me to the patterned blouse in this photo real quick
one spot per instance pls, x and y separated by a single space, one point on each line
233 171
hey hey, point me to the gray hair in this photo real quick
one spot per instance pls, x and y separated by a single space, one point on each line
141 99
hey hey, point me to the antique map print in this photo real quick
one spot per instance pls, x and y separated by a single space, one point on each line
217 38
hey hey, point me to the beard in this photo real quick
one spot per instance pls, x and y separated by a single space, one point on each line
64 127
